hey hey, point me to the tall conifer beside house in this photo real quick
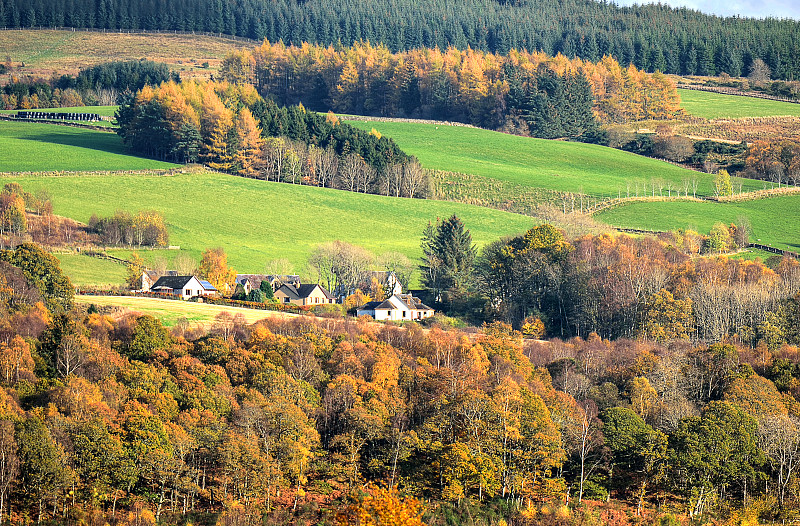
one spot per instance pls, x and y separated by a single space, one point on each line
448 257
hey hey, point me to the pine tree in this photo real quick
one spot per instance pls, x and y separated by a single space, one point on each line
448 257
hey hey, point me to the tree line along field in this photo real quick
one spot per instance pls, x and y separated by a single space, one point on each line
103 111
653 37
256 221
555 165
709 105
774 221
34 147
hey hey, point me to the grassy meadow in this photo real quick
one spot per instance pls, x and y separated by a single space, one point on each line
775 221
85 270
257 221
34 147
172 312
552 165
47 52
708 105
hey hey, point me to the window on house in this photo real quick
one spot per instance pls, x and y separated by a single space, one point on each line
404 314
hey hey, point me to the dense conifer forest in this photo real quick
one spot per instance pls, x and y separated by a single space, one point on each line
652 37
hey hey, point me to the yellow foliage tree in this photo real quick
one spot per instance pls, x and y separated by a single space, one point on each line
214 268
533 327
643 397
382 507
216 122
249 144
666 318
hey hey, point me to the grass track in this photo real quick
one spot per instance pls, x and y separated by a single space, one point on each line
710 105
553 165
29 147
256 221
775 221
170 312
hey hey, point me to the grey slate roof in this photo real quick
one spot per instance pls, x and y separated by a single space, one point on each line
372 305
172 282
412 302
303 291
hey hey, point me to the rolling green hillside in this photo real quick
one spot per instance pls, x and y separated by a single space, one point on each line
256 221
775 221
710 105
31 147
553 165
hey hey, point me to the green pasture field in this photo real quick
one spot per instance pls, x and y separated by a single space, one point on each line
85 270
256 221
553 165
775 221
34 147
708 105
172 312
753 254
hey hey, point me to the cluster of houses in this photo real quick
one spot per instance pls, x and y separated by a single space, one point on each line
288 289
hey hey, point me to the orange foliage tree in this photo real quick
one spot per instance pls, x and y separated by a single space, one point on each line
382 507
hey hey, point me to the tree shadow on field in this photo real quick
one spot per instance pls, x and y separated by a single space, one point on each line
92 140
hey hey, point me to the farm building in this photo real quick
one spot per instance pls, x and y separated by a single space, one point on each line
303 294
184 286
399 307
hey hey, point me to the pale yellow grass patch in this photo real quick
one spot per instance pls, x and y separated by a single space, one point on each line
170 312
46 52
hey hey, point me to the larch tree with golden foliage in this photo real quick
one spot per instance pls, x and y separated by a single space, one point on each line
214 268
249 142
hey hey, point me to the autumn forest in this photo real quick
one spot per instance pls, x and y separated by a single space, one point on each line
669 387
596 355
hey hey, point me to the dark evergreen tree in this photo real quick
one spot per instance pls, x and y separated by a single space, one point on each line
447 260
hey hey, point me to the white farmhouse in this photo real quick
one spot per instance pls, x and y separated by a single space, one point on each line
399 307
184 286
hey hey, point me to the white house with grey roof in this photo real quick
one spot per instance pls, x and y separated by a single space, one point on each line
398 307
184 286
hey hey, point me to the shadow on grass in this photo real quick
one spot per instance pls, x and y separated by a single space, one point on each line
92 140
